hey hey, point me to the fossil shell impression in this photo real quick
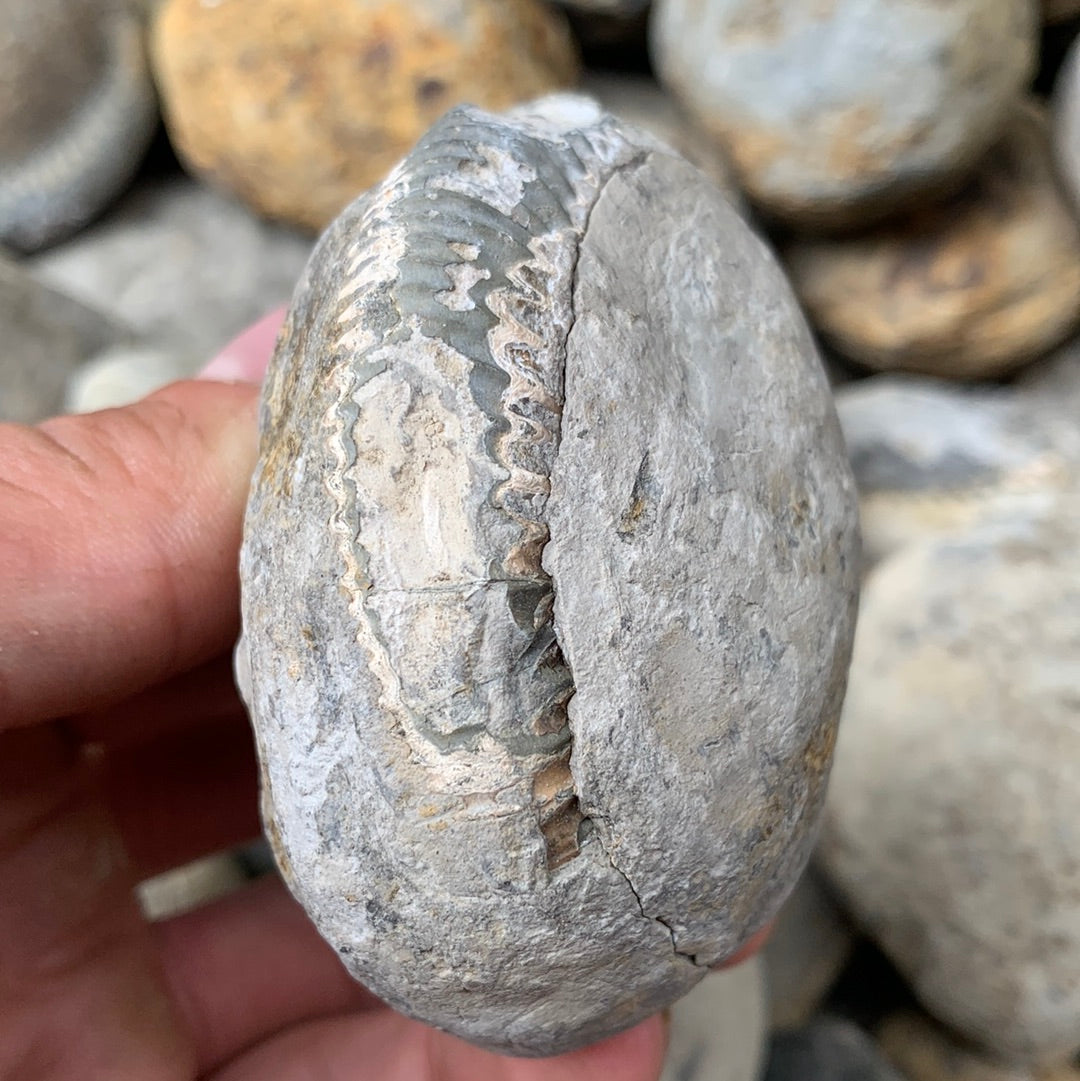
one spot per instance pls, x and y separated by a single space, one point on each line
548 581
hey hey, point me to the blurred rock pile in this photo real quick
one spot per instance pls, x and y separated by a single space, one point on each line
924 198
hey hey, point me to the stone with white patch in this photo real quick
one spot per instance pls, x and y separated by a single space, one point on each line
549 581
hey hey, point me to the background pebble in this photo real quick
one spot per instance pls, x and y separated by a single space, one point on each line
953 820
972 287
834 113
298 106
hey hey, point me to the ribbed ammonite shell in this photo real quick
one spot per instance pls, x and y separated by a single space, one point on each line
549 579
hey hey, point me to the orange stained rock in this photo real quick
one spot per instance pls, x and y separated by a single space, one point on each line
297 106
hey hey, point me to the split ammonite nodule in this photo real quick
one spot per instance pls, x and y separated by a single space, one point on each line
549 580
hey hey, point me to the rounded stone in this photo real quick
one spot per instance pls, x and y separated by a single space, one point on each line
77 112
931 457
835 113
548 580
971 288
953 820
297 106
829 1049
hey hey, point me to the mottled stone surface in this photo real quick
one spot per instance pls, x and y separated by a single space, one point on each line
924 1051
971 288
187 268
835 112
810 943
548 581
828 1050
718 1031
640 100
45 337
953 820
297 106
930 457
77 111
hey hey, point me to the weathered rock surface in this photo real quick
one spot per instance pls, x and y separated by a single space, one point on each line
718 1031
640 100
810 943
297 106
828 1050
971 288
77 112
834 113
548 581
924 1051
953 821
185 267
931 457
46 336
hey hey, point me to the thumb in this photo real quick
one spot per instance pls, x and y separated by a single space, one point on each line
119 534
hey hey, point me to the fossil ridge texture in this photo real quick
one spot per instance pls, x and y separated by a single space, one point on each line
77 112
549 579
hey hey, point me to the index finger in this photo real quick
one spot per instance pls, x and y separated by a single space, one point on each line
119 534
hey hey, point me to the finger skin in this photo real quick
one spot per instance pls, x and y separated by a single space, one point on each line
118 539
247 967
383 1046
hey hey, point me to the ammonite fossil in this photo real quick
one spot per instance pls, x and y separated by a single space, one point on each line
549 580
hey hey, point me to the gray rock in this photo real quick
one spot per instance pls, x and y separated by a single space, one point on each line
186 267
810 943
953 820
120 376
970 288
77 112
548 581
835 113
828 1050
930 457
46 337
718 1031
640 100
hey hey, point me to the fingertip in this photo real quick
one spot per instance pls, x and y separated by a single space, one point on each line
245 358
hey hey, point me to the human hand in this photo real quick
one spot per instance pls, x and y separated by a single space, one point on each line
124 751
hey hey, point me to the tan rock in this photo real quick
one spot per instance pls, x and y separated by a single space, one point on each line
925 1051
971 288
299 105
